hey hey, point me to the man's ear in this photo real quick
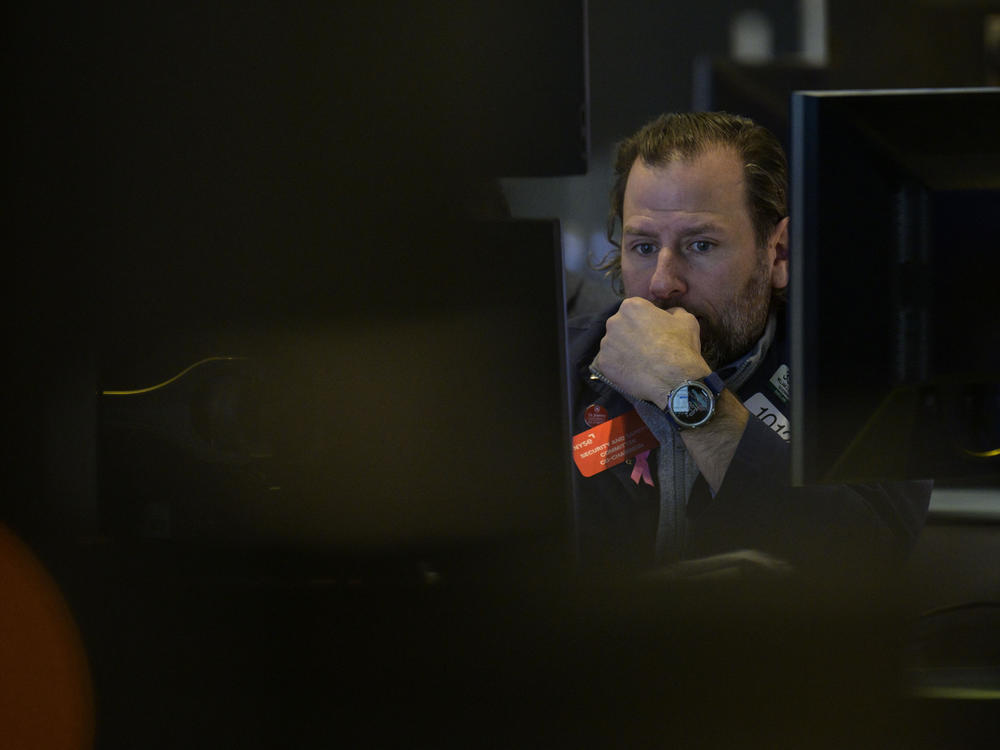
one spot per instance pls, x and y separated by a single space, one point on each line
779 244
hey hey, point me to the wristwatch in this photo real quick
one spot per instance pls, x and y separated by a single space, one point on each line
692 403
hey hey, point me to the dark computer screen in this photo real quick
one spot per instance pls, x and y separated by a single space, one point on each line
184 174
896 232
429 419
760 91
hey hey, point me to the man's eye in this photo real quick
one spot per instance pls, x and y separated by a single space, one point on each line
701 246
644 248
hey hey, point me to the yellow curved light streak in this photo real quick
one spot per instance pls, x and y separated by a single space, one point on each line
178 376
984 454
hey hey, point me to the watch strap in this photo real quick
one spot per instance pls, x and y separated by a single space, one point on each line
715 383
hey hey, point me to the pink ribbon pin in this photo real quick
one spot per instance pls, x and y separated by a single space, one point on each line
641 469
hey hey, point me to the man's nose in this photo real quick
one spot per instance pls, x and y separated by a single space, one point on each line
668 277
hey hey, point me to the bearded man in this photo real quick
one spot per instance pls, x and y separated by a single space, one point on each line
690 371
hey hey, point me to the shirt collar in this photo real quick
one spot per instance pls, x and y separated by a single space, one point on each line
738 372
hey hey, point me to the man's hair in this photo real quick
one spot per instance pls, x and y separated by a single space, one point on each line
682 136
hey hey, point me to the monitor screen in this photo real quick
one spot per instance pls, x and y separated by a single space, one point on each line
896 225
428 419
760 91
186 173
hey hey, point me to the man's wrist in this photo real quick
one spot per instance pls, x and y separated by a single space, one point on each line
692 403
695 373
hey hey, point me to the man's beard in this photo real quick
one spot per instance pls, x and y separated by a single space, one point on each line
741 323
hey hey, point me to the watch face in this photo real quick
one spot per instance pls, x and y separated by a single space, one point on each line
691 404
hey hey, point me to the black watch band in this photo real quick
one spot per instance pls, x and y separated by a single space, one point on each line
692 403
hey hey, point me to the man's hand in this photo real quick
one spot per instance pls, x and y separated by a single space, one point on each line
648 351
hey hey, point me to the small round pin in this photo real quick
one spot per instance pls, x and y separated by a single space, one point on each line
595 415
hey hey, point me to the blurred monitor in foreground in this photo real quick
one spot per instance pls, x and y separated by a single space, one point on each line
435 422
896 256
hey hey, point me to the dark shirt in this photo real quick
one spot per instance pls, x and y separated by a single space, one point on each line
837 528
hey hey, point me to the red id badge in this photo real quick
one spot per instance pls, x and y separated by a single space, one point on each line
610 443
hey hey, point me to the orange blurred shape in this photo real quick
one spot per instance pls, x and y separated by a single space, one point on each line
46 698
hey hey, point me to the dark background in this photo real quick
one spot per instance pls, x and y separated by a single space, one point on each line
170 165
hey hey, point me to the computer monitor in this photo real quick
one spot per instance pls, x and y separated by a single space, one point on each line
895 261
226 161
431 423
760 91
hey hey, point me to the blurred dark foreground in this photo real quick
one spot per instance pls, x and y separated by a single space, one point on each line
189 651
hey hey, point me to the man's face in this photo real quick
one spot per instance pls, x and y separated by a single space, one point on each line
688 241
